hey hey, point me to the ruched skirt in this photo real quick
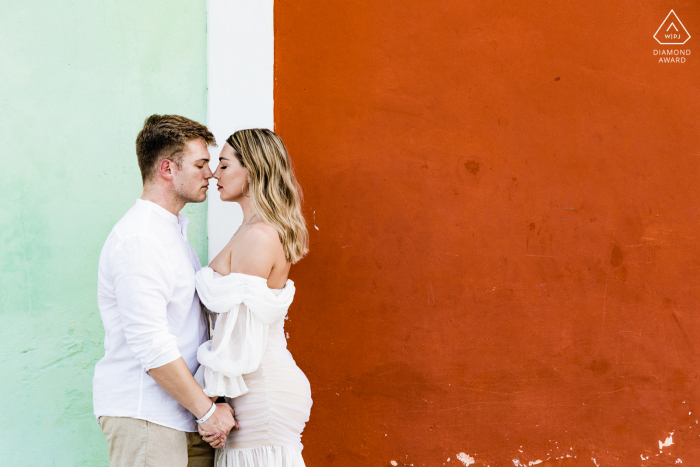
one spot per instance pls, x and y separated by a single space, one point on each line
271 415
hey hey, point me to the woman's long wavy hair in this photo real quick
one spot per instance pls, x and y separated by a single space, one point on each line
275 194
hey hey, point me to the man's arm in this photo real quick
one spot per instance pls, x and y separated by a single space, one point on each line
176 379
143 285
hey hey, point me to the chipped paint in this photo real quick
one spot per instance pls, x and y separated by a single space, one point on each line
466 459
668 442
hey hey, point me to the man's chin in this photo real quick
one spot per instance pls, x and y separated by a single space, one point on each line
197 199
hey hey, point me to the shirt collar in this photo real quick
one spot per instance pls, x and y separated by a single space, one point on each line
183 221
179 220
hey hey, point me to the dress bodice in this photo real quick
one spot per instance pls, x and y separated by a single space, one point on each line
244 309
220 293
248 363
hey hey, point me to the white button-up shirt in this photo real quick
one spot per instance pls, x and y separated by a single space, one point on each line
151 315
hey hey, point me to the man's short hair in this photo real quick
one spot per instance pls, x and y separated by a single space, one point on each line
165 137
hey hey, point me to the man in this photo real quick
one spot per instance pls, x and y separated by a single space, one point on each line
145 397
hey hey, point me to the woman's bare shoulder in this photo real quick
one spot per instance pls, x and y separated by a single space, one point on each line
261 235
257 250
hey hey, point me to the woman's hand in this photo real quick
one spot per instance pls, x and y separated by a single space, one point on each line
216 440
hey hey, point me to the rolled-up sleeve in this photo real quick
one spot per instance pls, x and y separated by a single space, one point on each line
143 283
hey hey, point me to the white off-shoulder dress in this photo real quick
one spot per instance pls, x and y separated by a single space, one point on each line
248 363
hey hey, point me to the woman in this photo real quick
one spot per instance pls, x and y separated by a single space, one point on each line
247 290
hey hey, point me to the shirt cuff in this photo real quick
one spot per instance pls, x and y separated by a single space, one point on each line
166 357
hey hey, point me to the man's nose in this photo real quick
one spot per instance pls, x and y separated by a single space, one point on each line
207 173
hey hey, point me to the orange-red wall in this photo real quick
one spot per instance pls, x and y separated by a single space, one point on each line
507 197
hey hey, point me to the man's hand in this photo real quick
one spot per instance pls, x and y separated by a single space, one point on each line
217 440
176 379
221 421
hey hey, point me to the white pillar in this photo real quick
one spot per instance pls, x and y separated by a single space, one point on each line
240 77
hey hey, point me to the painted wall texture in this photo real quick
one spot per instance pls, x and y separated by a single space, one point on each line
78 79
503 205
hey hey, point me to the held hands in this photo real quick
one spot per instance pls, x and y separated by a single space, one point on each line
217 440
216 429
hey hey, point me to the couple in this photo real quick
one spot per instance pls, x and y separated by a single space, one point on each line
175 373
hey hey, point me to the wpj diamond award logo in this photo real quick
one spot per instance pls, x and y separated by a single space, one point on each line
672 32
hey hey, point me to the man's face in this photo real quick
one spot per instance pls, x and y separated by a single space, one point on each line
191 181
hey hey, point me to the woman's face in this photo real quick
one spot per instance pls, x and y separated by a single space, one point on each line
231 176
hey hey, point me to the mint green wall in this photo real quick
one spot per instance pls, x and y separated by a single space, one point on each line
76 82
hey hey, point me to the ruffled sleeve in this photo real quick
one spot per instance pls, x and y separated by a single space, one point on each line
245 308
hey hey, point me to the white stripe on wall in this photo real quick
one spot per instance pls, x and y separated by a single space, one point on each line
240 77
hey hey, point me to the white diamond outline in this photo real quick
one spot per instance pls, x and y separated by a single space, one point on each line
662 23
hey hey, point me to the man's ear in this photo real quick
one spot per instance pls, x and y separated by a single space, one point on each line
165 169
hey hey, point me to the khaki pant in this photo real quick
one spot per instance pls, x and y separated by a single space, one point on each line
139 443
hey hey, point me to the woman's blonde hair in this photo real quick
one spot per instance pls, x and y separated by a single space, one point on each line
275 194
